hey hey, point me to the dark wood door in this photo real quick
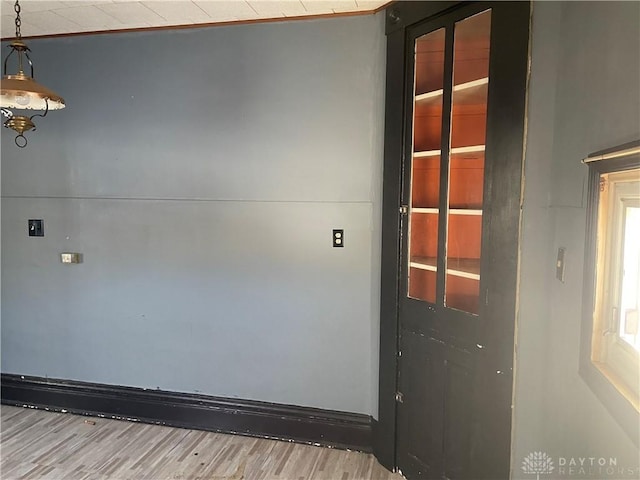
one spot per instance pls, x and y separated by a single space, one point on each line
463 131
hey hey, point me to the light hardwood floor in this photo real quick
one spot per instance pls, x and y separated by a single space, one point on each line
38 444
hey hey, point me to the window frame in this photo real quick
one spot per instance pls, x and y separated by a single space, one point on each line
618 159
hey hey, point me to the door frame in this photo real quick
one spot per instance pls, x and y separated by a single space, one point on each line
400 17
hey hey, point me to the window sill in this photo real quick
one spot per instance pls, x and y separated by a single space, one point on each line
619 384
619 406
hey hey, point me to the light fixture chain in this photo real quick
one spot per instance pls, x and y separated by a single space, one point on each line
16 7
22 91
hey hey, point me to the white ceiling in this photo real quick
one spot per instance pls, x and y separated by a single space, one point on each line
50 17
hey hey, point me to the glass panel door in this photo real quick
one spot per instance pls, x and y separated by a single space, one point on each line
464 165
466 161
425 165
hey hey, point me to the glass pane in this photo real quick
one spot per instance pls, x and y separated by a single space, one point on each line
466 161
425 165
630 289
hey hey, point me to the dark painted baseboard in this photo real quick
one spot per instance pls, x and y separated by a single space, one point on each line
186 410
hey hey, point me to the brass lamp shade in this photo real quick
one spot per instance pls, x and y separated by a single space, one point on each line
20 91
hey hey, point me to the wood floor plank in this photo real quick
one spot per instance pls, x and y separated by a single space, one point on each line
37 444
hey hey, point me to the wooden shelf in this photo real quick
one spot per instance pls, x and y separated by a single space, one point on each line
454 151
427 153
469 92
458 267
452 211
464 267
424 263
467 108
466 172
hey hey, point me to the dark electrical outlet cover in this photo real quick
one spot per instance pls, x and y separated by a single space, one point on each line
36 228
338 238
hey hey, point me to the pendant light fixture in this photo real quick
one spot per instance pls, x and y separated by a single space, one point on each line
21 92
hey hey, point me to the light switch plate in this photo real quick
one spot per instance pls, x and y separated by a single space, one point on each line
36 228
71 257
560 264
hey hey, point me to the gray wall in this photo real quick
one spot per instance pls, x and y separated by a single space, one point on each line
584 96
200 172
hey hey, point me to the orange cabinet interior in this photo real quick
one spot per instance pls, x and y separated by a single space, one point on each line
462 293
466 164
465 181
424 235
463 237
429 66
422 285
468 126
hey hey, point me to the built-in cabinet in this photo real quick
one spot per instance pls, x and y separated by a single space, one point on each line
465 148
456 87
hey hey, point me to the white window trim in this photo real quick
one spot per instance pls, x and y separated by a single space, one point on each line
610 353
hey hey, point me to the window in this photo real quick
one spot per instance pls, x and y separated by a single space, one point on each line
610 351
615 340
